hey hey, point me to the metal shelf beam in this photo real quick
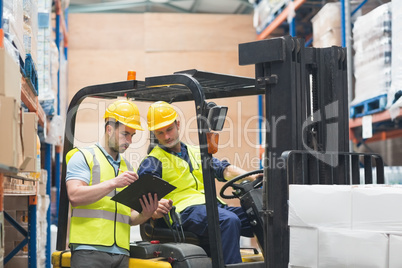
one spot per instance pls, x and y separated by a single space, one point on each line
278 20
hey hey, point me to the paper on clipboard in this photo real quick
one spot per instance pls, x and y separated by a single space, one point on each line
145 184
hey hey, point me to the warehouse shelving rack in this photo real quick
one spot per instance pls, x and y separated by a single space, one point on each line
30 99
383 127
392 129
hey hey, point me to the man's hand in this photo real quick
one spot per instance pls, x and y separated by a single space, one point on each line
252 177
125 178
164 206
149 205
231 172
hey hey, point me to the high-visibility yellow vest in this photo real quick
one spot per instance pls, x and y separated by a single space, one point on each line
104 222
176 171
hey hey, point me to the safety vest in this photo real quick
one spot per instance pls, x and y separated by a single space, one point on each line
176 171
104 222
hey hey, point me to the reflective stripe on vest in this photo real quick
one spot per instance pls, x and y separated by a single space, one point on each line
176 171
90 213
103 222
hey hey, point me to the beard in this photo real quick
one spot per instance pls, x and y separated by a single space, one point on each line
172 143
115 146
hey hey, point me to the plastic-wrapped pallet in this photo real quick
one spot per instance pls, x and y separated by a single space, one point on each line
45 56
392 175
396 86
41 230
372 60
265 12
30 11
13 24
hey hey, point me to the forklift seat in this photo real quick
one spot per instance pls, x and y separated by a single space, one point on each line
158 230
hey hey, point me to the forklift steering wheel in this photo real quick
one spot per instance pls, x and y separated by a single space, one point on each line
243 187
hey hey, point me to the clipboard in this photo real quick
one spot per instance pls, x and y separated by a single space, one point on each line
145 184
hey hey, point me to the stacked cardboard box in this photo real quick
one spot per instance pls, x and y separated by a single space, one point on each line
327 26
10 137
29 134
10 76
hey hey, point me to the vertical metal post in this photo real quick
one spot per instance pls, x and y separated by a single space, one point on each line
32 226
48 167
347 42
58 48
57 171
292 23
57 152
292 28
260 118
66 24
343 23
1 14
1 24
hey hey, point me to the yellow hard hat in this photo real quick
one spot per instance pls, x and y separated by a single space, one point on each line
160 114
125 112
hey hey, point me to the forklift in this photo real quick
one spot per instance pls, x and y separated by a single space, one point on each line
305 93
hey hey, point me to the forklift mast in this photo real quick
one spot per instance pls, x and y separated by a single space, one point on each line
306 112
304 89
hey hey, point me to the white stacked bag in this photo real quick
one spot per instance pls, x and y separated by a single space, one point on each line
338 226
372 61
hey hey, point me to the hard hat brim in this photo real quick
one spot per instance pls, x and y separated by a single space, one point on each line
162 124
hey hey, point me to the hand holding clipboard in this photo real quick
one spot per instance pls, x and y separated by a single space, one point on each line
145 184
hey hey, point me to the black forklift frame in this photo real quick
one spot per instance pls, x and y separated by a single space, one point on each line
305 93
181 86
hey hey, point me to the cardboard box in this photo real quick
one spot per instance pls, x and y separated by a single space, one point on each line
329 17
15 203
10 76
30 130
11 234
332 37
17 261
10 136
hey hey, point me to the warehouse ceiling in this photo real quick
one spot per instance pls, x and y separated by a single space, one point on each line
178 6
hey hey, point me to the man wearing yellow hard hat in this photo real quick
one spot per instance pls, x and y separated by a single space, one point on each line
180 165
100 227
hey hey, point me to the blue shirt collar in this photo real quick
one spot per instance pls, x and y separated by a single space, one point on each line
108 156
183 150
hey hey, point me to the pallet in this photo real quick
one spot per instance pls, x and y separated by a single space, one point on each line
370 106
